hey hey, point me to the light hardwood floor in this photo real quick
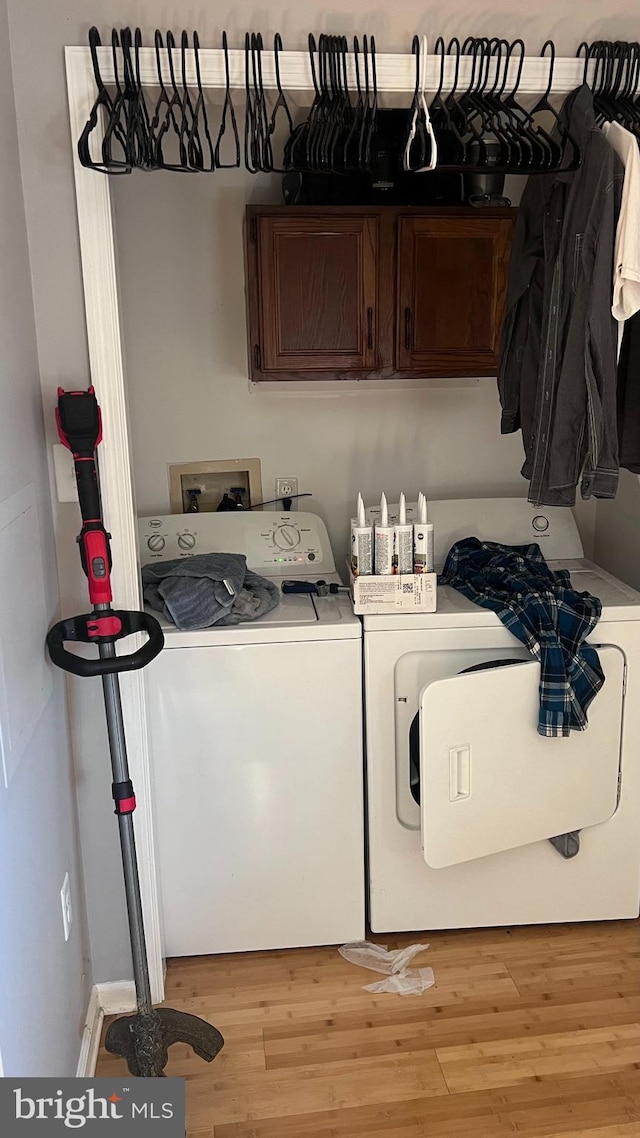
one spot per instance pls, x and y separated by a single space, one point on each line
529 1032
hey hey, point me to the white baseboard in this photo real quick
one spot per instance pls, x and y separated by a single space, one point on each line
90 1037
117 996
104 1000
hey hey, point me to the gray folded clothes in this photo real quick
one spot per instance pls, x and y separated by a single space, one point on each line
210 588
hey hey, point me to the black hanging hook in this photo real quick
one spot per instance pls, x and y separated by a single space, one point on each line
191 151
315 120
176 116
281 102
552 63
118 127
439 43
227 109
136 129
260 122
164 117
249 110
144 128
94 43
349 150
296 148
279 105
552 149
372 107
587 58
106 103
200 115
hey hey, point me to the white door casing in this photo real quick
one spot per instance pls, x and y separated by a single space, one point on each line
395 76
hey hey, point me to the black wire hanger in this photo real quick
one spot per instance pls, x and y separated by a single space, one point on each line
196 149
191 149
168 113
107 163
227 109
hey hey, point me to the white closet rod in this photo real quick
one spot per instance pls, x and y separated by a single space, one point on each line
395 73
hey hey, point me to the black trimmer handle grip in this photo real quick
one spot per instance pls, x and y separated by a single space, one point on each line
104 628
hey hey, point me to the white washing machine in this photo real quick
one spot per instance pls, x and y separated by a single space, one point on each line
462 791
256 748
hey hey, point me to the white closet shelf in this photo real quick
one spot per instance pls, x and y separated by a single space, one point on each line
395 73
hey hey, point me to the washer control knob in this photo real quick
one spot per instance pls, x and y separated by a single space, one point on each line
186 540
156 542
540 523
286 537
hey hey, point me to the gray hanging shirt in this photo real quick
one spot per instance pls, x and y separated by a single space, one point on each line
557 378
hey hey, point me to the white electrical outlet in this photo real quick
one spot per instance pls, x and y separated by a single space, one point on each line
65 473
67 912
287 488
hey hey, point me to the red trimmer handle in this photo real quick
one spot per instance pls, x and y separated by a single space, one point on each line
80 429
104 628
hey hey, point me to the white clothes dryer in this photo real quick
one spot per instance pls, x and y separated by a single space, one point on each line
462 791
256 750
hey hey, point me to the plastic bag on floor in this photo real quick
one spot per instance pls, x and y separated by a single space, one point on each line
402 979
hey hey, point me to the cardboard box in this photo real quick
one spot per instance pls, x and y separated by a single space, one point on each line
397 593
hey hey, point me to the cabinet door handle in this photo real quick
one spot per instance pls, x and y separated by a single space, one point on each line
370 327
407 329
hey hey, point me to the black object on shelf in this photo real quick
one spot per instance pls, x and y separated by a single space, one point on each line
386 183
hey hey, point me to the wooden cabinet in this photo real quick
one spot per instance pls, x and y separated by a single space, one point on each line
452 274
317 289
359 293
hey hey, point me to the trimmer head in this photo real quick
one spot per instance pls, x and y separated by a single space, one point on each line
144 1039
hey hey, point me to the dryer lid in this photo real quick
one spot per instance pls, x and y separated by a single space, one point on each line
490 783
619 602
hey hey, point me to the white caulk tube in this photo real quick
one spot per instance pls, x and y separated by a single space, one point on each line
403 555
384 541
361 543
422 540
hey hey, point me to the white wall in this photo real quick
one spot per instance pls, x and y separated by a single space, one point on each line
44 981
181 275
335 445
617 531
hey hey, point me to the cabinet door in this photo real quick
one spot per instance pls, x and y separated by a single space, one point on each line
452 278
317 293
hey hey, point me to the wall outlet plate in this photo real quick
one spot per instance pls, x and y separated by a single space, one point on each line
65 472
287 488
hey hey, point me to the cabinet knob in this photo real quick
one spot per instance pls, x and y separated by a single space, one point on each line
407 329
370 327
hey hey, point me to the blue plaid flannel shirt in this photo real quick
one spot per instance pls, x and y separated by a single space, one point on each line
539 606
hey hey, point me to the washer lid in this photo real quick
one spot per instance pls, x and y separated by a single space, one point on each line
298 617
489 782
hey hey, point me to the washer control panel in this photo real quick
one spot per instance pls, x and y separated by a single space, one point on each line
276 545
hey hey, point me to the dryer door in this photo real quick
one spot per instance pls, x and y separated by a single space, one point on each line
489 782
